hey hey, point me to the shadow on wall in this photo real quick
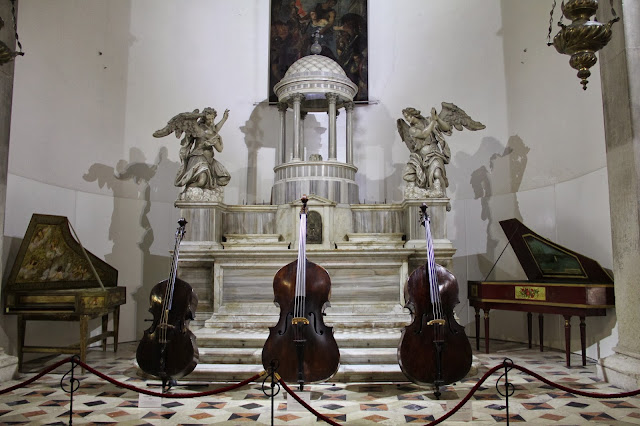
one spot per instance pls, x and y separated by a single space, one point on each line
132 183
501 176
314 134
261 131
379 179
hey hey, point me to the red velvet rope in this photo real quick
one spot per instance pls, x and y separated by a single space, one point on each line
130 387
303 403
307 406
576 391
170 395
36 377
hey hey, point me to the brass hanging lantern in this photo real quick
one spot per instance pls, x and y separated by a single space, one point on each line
583 37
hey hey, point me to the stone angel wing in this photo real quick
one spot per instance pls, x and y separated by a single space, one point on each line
456 117
403 130
185 122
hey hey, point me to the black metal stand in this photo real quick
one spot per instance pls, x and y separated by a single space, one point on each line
509 389
73 385
274 386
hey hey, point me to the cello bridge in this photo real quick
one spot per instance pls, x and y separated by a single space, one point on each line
302 320
437 321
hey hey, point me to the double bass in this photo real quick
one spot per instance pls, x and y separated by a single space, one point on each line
168 348
300 347
434 348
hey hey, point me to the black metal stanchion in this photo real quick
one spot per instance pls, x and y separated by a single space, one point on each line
274 386
509 389
73 385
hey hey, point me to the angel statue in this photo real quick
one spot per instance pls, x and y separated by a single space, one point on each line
202 176
425 173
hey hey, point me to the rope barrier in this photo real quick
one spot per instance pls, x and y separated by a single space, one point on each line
291 392
169 394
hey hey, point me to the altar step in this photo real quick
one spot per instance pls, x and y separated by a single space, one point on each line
350 373
366 355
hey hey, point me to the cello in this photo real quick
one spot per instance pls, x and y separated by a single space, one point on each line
168 348
434 348
300 346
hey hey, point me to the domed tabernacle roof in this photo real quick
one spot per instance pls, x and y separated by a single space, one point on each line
314 76
315 65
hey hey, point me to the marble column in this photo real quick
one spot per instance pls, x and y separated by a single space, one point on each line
297 101
332 99
281 156
349 106
303 116
8 364
619 68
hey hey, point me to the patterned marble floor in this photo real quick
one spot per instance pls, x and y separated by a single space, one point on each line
99 402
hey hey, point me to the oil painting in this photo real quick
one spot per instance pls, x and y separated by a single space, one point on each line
340 26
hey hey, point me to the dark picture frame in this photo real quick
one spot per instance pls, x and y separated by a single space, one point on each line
342 25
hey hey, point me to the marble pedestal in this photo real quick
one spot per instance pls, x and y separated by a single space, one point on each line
621 369
8 366
232 253
331 180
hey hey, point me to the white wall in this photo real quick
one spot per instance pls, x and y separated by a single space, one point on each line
99 77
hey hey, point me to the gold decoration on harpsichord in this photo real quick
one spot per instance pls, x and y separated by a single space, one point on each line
202 176
51 258
6 54
425 173
583 37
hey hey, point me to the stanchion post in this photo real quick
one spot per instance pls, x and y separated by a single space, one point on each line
74 384
274 386
509 389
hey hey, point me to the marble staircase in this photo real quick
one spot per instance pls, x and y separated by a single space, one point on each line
367 353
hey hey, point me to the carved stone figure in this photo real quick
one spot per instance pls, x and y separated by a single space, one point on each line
202 176
425 172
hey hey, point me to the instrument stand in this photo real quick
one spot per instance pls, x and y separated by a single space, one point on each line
438 381
167 385
436 392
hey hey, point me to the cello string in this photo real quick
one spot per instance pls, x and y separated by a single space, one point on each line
300 284
431 289
433 277
169 290
300 278
174 265
165 300
433 271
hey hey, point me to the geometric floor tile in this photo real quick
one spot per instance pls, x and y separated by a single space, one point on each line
552 417
512 418
100 402
597 416
415 418
537 406
376 418
618 404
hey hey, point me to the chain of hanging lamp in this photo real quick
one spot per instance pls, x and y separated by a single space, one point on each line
6 54
15 25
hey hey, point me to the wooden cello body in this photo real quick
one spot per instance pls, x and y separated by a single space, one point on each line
300 346
168 348
434 348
